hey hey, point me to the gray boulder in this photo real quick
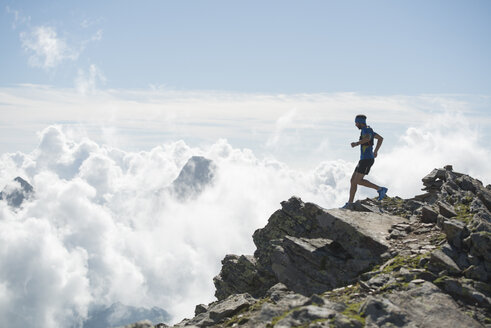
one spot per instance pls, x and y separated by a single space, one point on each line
310 266
422 306
428 215
200 308
467 183
220 310
239 274
439 261
485 196
305 314
230 306
295 219
477 272
481 245
481 222
463 289
446 210
433 176
455 232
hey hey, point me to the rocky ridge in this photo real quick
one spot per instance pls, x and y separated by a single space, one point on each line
418 262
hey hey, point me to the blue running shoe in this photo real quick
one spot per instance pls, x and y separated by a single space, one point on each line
381 193
347 206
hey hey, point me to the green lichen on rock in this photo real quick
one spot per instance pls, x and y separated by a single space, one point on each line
280 317
244 315
352 311
398 285
343 295
396 263
393 201
463 212
438 238
313 322
396 206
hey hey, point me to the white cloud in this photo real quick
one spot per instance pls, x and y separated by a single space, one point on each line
46 48
46 283
283 123
103 227
44 45
129 240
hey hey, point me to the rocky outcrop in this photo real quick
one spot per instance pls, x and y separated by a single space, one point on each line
218 311
309 249
239 274
16 192
406 309
419 262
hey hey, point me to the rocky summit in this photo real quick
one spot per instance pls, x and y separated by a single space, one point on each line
195 176
418 262
16 192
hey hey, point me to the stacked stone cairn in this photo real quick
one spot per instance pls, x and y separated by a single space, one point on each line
418 262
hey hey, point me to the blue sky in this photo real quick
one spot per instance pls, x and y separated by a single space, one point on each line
283 78
372 47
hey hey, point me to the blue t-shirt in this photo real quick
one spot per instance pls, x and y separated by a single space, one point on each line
367 148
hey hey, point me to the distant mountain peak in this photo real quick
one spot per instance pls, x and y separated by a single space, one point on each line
16 192
118 315
195 176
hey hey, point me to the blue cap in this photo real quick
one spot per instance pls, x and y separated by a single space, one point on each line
361 120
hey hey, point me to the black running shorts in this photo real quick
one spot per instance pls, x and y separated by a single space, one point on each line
364 166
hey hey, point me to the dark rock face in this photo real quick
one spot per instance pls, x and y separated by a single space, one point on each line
419 262
16 192
309 266
194 177
239 274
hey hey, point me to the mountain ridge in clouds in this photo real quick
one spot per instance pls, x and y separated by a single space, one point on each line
118 315
104 227
16 192
194 177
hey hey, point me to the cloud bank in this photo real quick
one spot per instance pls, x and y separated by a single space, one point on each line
103 226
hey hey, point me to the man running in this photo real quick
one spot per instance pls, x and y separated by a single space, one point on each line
367 159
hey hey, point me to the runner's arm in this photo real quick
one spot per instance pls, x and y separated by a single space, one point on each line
364 139
379 143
